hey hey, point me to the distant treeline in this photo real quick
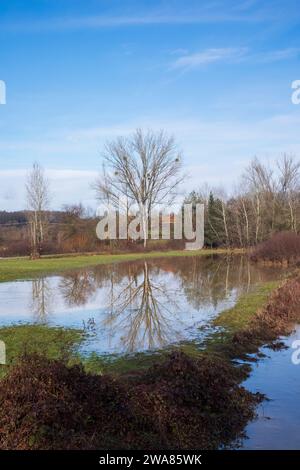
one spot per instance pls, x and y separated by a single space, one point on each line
266 201
18 217
21 217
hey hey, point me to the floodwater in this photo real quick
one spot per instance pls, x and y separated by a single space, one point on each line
149 305
136 306
278 377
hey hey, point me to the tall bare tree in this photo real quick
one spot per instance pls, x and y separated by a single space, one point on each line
259 181
143 170
37 194
289 187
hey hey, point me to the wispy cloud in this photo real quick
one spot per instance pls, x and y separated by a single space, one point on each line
279 55
231 55
209 56
207 12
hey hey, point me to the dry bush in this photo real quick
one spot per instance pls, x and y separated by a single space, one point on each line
182 403
282 247
16 248
277 318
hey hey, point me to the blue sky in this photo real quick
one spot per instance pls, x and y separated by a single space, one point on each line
216 74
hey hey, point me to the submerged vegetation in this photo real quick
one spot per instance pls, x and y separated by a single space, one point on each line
52 342
238 318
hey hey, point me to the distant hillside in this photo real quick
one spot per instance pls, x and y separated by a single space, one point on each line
19 217
12 217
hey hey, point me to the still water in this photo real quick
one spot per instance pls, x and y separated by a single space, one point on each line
136 306
278 377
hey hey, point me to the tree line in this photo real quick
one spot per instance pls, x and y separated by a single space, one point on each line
266 201
145 170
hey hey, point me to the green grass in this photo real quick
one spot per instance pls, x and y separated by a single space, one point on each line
120 364
238 317
62 343
54 342
23 268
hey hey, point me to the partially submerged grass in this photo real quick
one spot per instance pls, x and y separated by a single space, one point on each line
24 268
277 318
53 342
57 343
119 365
63 344
247 305
258 319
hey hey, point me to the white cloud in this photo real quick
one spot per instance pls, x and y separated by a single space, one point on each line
215 151
66 187
208 56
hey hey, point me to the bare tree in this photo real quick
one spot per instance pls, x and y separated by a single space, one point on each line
143 170
289 186
262 193
37 192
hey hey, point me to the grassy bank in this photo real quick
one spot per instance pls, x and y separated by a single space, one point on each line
258 319
22 268
239 317
52 342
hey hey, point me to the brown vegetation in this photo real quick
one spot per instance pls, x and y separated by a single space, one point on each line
182 403
277 318
283 247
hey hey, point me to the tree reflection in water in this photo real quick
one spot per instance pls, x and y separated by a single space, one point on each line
142 305
77 288
41 299
144 311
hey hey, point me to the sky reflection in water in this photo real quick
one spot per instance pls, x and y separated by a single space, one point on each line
136 306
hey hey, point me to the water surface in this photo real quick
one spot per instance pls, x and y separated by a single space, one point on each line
278 422
134 306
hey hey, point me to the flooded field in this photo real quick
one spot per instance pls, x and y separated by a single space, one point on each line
135 306
143 306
